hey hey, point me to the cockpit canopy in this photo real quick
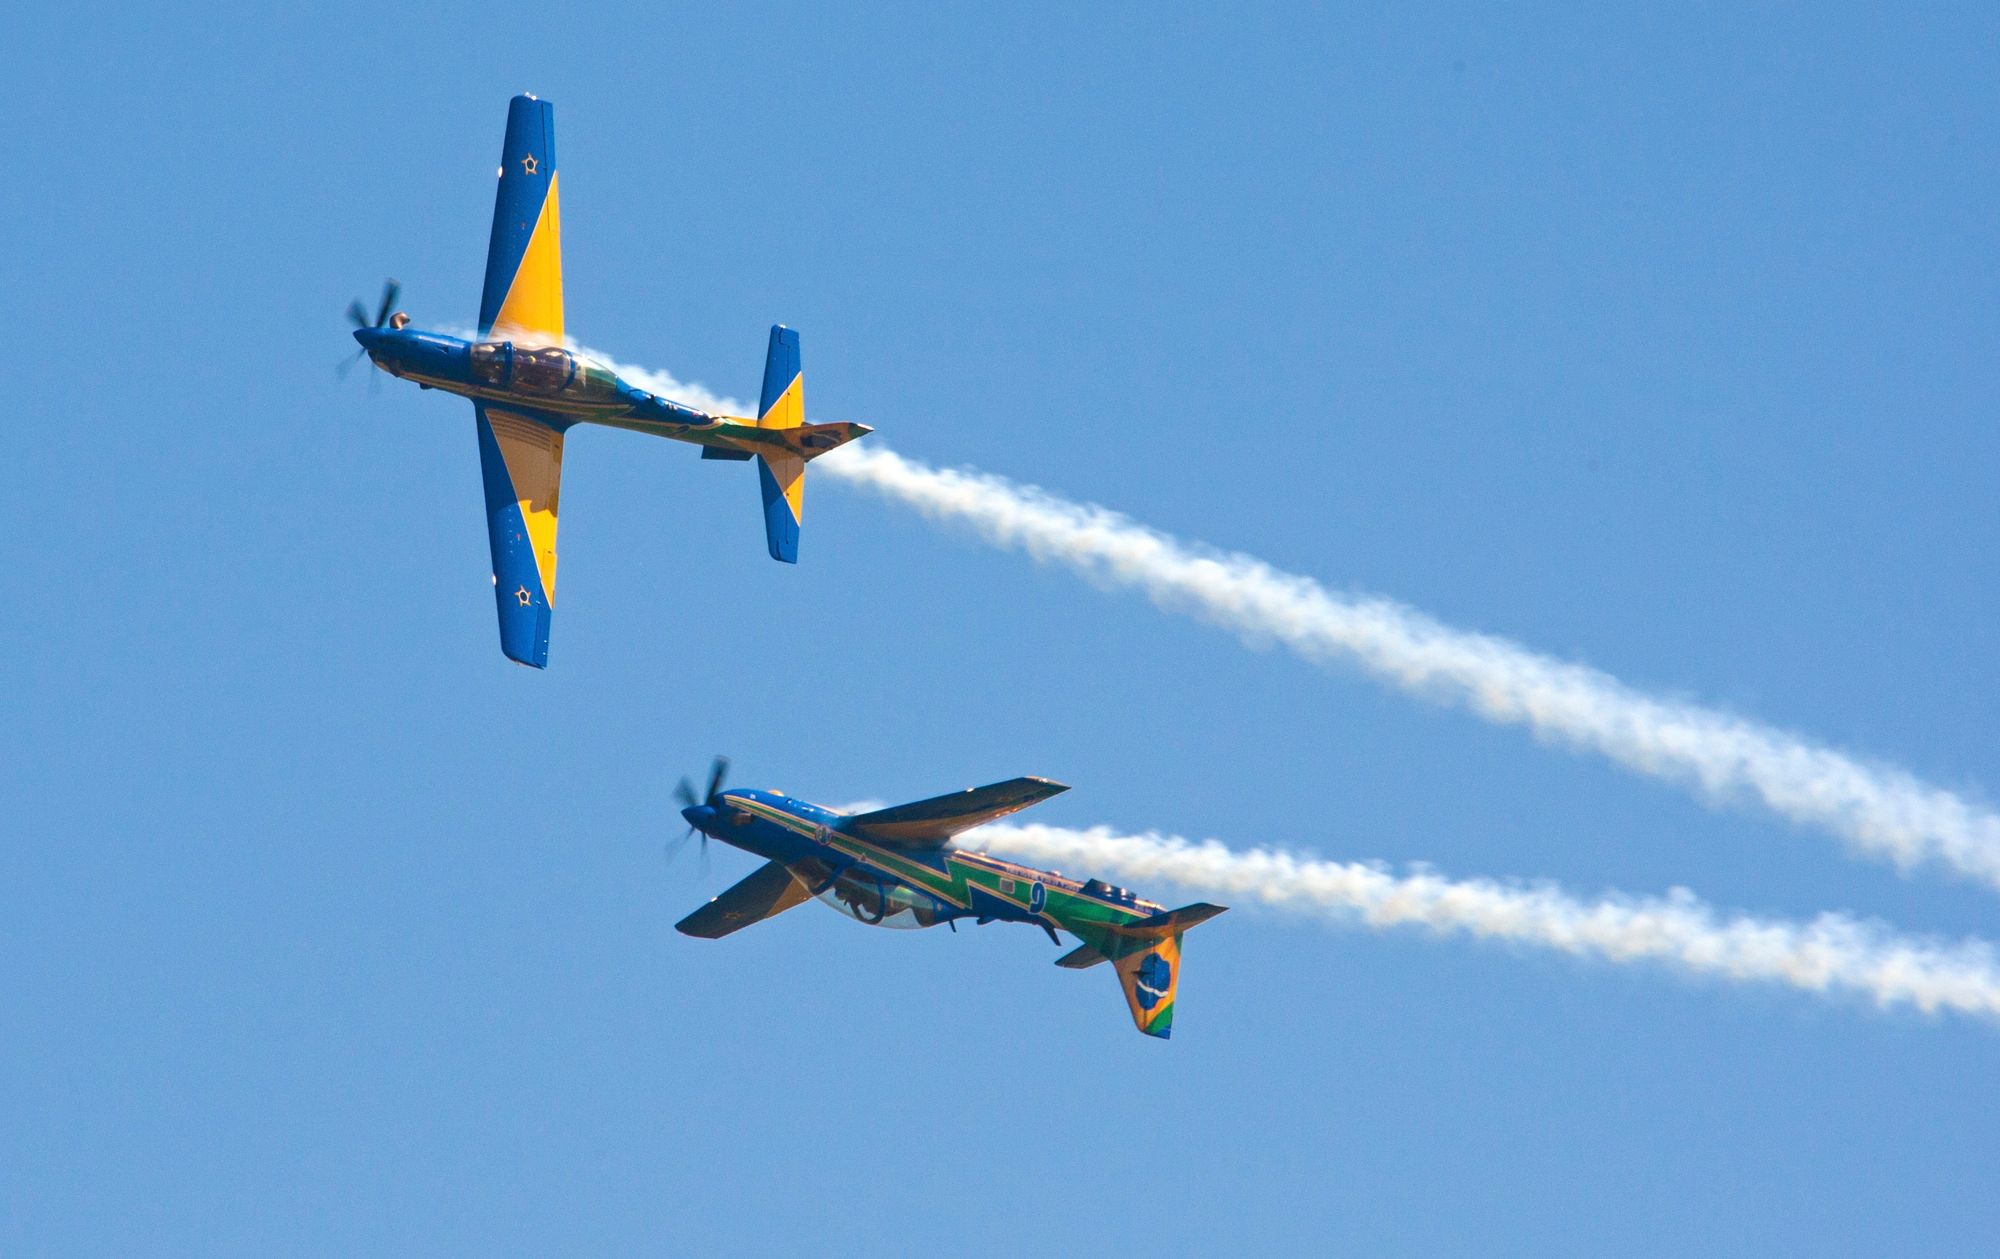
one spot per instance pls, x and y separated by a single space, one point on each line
1098 887
548 370
879 903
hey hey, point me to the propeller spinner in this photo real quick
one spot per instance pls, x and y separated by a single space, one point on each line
712 798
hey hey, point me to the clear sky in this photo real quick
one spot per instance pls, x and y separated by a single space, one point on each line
1664 341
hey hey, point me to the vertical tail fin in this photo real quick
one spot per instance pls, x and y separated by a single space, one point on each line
1147 955
1151 978
782 477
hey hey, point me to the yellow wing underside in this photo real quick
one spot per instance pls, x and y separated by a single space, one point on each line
533 454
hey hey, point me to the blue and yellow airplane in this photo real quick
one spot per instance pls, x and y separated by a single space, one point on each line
895 867
528 389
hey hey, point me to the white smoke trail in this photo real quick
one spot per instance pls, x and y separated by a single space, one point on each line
1879 809
684 392
1831 955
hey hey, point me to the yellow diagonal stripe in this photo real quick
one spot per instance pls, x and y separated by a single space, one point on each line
533 309
789 411
533 455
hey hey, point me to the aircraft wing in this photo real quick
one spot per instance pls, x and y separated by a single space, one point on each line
520 462
523 297
769 890
929 823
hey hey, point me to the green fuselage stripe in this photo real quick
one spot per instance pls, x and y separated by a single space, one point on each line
1065 907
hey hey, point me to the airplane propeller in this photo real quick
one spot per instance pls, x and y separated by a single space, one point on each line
357 314
684 792
391 290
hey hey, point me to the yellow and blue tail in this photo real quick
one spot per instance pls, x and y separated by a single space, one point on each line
782 443
782 477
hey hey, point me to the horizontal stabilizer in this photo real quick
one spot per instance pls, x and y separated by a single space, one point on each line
929 823
782 480
1169 922
1082 957
782 441
769 890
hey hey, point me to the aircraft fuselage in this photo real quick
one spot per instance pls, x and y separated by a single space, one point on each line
887 886
555 384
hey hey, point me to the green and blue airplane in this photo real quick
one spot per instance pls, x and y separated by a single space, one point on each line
528 388
896 867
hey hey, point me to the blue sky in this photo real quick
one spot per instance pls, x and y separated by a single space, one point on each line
1663 340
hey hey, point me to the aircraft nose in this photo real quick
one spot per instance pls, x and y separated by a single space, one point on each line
366 336
698 816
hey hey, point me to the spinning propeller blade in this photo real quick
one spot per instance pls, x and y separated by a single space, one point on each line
684 792
391 290
358 315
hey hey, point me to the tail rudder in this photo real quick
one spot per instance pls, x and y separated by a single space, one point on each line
1151 978
1147 955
